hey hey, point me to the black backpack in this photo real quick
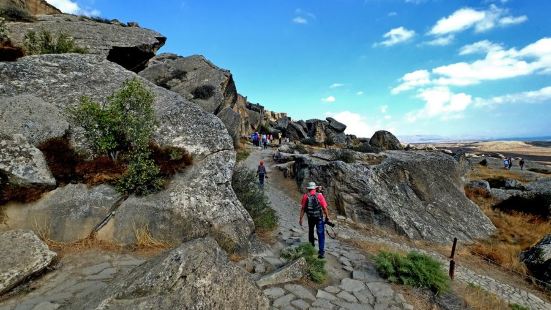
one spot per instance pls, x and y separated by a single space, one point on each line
313 208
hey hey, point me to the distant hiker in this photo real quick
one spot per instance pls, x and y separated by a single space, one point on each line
279 137
264 141
315 207
510 163
506 163
261 172
521 164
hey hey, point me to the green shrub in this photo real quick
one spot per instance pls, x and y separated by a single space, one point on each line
203 92
3 31
242 154
142 177
15 14
415 269
253 199
518 307
44 42
316 266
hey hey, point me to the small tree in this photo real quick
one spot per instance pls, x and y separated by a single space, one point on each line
44 42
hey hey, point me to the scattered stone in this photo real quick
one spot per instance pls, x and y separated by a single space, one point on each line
347 296
348 268
332 289
289 273
300 291
323 304
22 254
274 292
351 285
283 300
301 304
274 261
351 306
325 295
380 290
364 296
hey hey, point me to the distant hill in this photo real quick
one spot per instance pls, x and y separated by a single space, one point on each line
34 7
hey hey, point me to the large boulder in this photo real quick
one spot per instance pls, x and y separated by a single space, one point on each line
417 194
66 214
61 80
22 164
196 275
130 47
316 130
34 7
385 140
295 132
22 254
533 198
336 125
538 259
38 124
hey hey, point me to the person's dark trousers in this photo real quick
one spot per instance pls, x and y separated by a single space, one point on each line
320 230
261 180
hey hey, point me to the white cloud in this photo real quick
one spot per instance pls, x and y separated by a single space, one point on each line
336 85
383 109
391 14
329 99
412 80
395 36
535 96
388 117
359 93
498 63
300 20
480 20
71 7
441 41
440 102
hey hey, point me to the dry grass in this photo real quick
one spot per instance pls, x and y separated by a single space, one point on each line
91 242
478 298
267 237
483 173
145 241
515 233
373 248
419 299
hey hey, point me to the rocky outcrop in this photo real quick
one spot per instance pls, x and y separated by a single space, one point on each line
538 259
196 275
533 198
66 214
61 80
417 194
22 255
34 7
130 47
385 140
198 80
22 164
294 271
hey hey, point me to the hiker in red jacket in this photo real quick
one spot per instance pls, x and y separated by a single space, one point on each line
315 207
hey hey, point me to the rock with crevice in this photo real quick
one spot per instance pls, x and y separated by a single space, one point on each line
293 271
417 194
61 80
130 47
66 214
196 275
22 164
22 254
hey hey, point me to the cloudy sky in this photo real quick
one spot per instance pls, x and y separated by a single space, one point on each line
457 68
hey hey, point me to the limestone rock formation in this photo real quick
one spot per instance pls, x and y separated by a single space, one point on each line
336 125
22 164
196 275
130 47
22 254
417 194
385 140
538 259
66 214
34 7
61 80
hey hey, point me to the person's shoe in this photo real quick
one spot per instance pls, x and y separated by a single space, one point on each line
321 256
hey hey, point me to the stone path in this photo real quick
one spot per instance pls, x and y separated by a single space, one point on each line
506 292
353 281
77 276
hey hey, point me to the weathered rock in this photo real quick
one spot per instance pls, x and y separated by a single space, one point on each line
336 125
481 186
534 198
316 130
32 117
418 194
289 273
283 123
188 198
538 259
66 214
34 7
295 132
196 275
130 47
22 254
385 140
22 164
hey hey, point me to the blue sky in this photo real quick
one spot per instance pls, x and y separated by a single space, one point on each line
433 67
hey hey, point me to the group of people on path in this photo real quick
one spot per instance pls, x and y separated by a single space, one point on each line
313 205
508 163
263 140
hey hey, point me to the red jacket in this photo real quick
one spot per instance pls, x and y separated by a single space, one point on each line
321 199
